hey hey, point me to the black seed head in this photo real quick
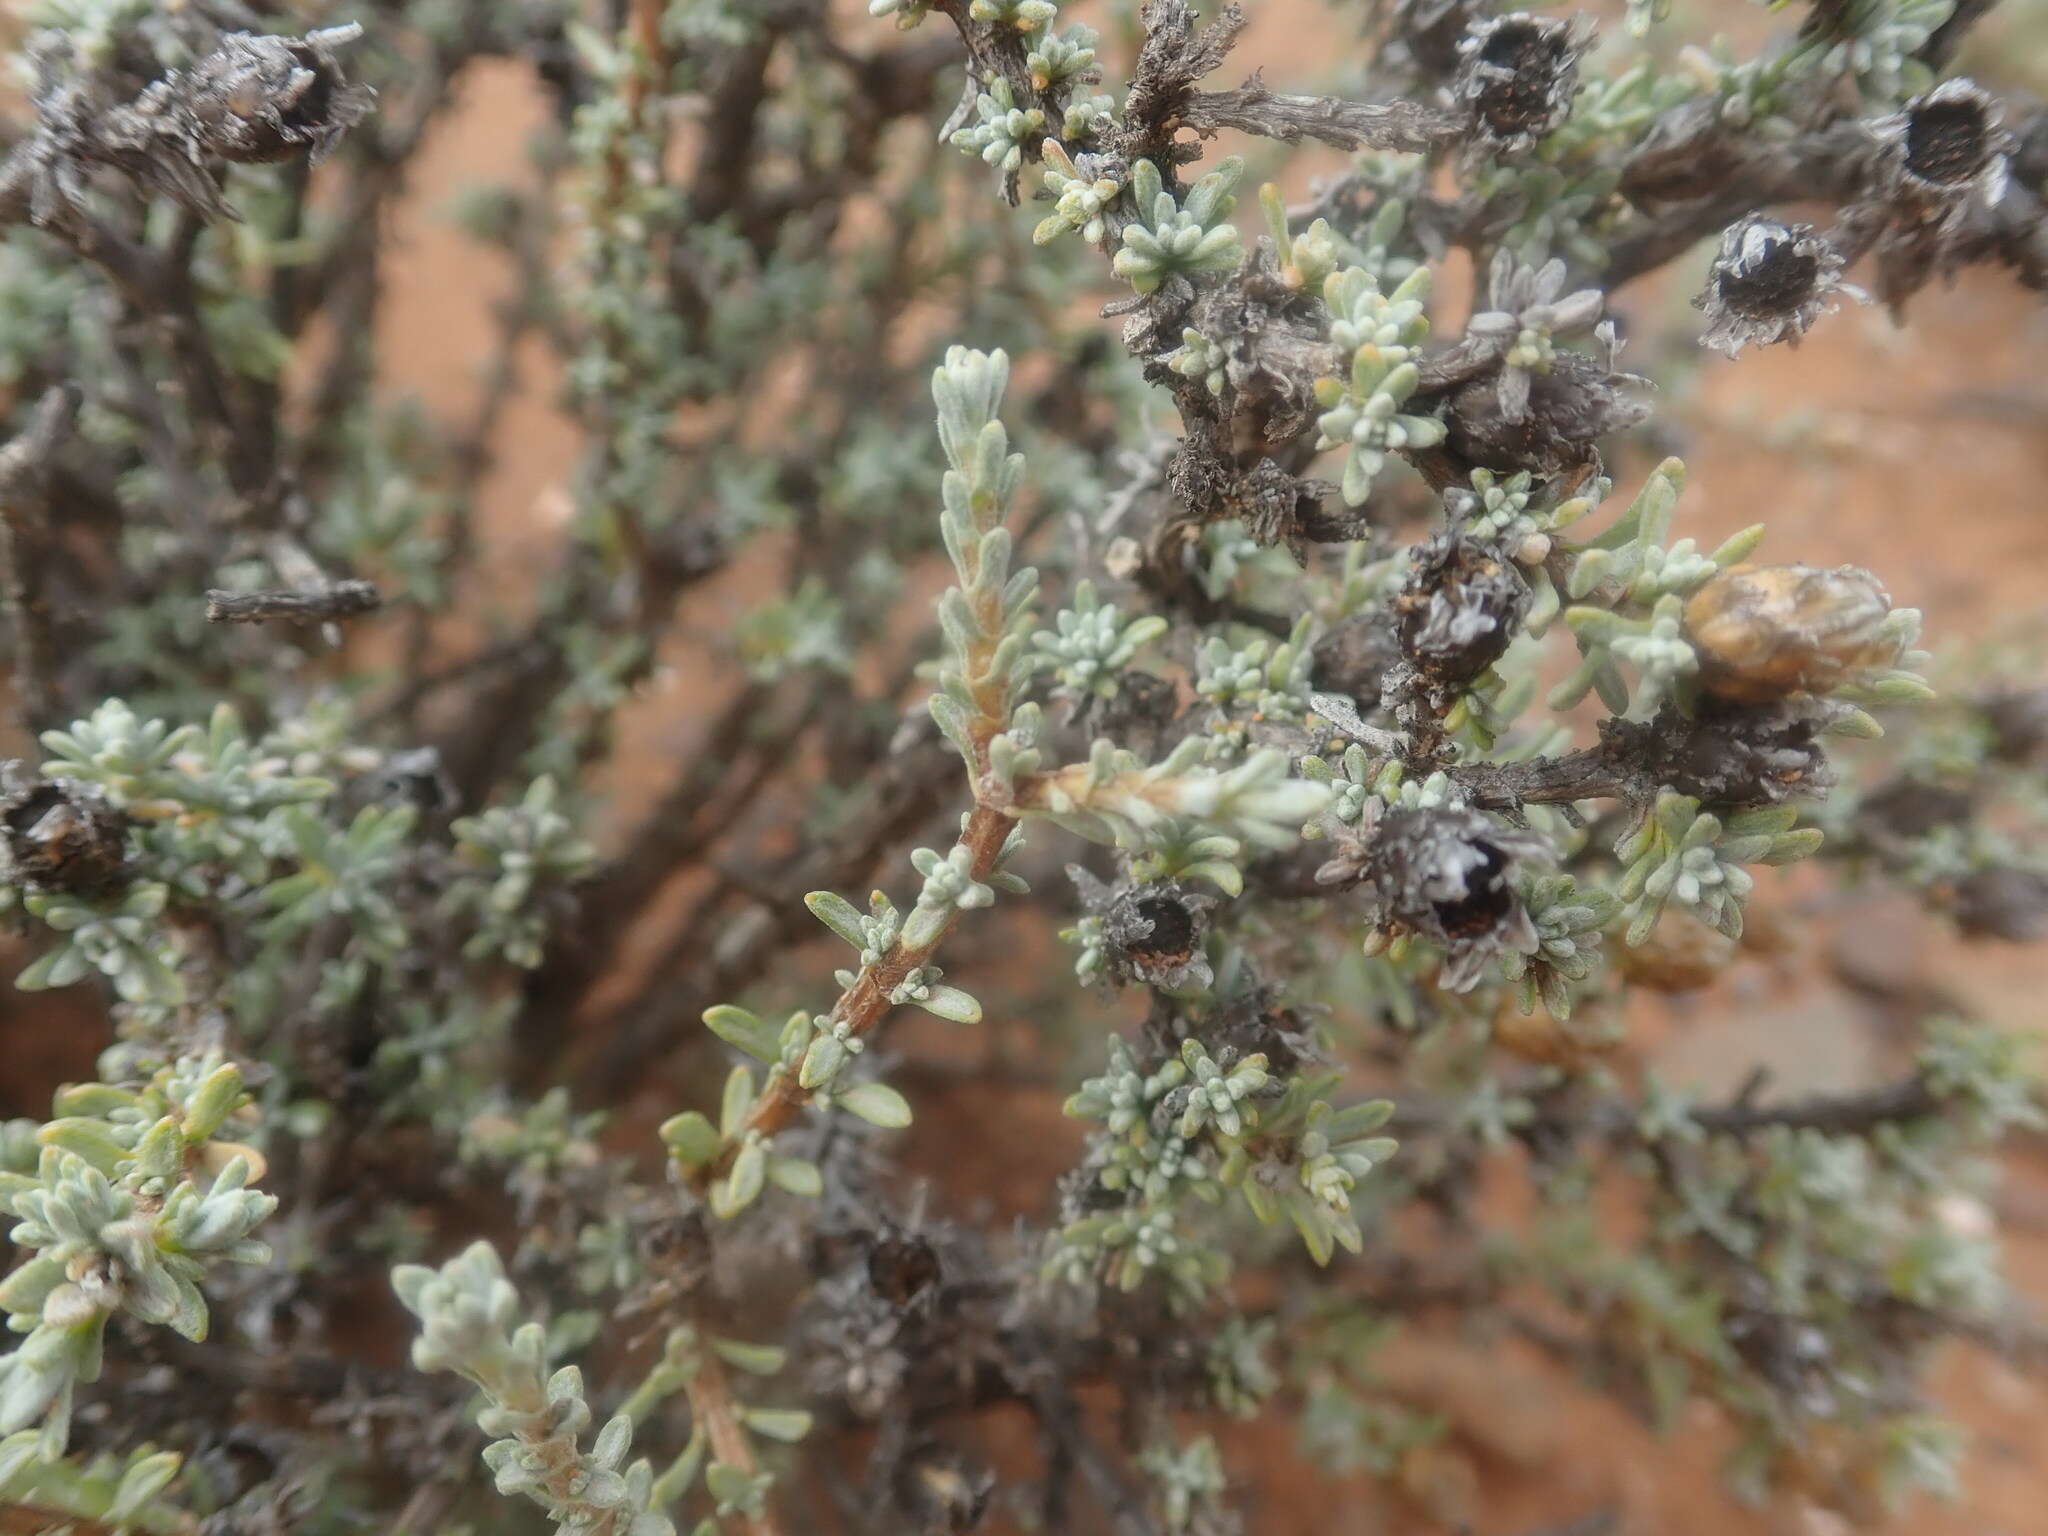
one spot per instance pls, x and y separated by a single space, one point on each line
903 1269
1153 933
1772 273
1448 875
1948 142
1172 931
1946 152
1488 896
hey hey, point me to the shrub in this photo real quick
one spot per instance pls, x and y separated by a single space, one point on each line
1368 806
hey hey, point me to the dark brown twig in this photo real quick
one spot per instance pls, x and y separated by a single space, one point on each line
24 471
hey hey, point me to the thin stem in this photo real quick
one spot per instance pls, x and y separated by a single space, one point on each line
865 1003
711 1402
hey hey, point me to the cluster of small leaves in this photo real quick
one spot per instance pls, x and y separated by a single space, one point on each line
220 819
1640 619
523 851
1259 680
1080 202
1777 1259
131 1197
1176 816
292 888
1189 1129
1091 643
1678 853
1200 358
1569 921
1187 1486
1004 128
1362 412
1166 237
469 1324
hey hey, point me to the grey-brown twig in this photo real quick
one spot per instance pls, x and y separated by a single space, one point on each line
319 605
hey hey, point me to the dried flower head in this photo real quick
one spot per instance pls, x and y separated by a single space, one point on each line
1446 875
257 99
1769 283
1153 933
1518 76
252 99
1458 609
1946 150
1576 402
1254 1022
1769 631
61 836
913 1301
903 1268
417 777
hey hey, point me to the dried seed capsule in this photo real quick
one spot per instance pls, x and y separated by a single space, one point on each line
1945 151
62 836
1769 283
1449 876
1518 77
416 777
1458 609
256 99
1352 659
903 1269
1951 134
1555 432
1152 933
1767 632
